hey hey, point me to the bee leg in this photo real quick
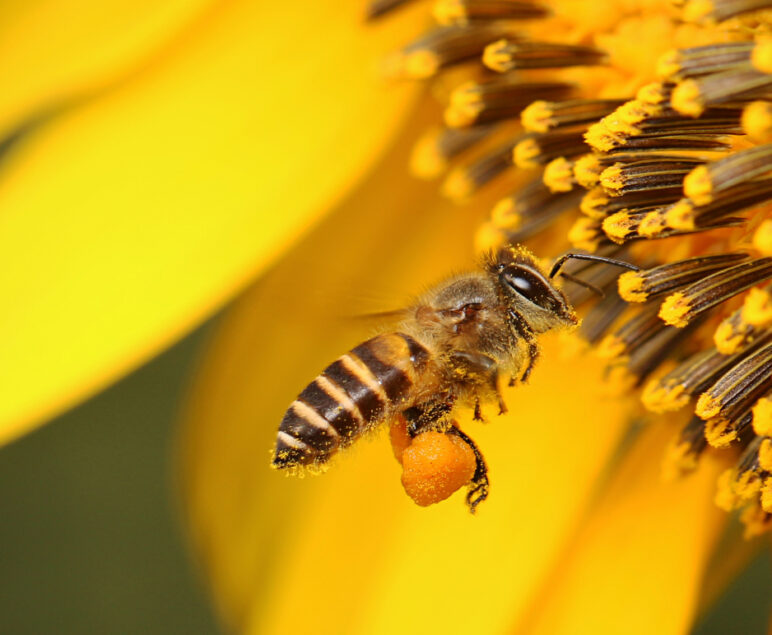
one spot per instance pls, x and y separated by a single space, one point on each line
477 411
479 486
525 331
481 365
428 415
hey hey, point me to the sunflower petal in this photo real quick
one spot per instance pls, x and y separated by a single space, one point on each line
348 546
45 64
129 219
636 566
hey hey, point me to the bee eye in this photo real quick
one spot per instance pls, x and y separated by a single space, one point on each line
528 284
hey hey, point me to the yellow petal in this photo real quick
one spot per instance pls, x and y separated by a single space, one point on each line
45 64
130 219
347 551
637 564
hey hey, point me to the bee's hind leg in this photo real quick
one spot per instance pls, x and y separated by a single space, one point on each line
479 485
429 415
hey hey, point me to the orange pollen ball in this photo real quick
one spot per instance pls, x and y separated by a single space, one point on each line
435 465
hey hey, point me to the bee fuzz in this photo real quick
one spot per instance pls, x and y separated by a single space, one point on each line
434 466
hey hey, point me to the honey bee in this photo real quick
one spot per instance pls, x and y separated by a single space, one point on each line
451 348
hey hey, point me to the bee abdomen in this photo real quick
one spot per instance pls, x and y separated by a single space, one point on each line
354 392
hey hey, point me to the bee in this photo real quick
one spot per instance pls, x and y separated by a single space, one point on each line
451 348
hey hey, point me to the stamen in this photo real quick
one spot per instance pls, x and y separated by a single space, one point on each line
465 180
377 8
739 388
762 238
686 215
703 60
692 377
601 317
558 175
542 116
682 456
433 152
598 204
646 175
587 170
683 306
508 54
705 182
641 286
502 98
756 121
540 149
692 96
634 332
762 423
712 11
720 432
443 47
587 233
463 11
530 209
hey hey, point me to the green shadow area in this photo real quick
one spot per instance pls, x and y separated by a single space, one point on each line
90 538
745 606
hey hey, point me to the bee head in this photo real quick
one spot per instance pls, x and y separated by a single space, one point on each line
528 291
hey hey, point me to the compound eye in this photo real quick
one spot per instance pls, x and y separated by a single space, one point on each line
527 284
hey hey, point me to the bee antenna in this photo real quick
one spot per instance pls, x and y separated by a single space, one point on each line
582 283
591 257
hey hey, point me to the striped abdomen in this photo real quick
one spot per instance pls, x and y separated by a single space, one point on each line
359 389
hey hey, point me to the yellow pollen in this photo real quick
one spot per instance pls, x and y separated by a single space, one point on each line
457 186
495 56
669 64
725 338
762 417
591 202
611 347
426 162
617 226
653 224
726 498
504 215
536 117
600 138
762 238
630 286
611 178
447 12
697 185
558 175
681 215
488 238
587 170
461 116
653 93
707 407
584 234
757 308
748 485
674 310
766 496
761 56
697 10
678 460
757 121
525 154
687 100
718 432
660 398
755 520
420 64
765 455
